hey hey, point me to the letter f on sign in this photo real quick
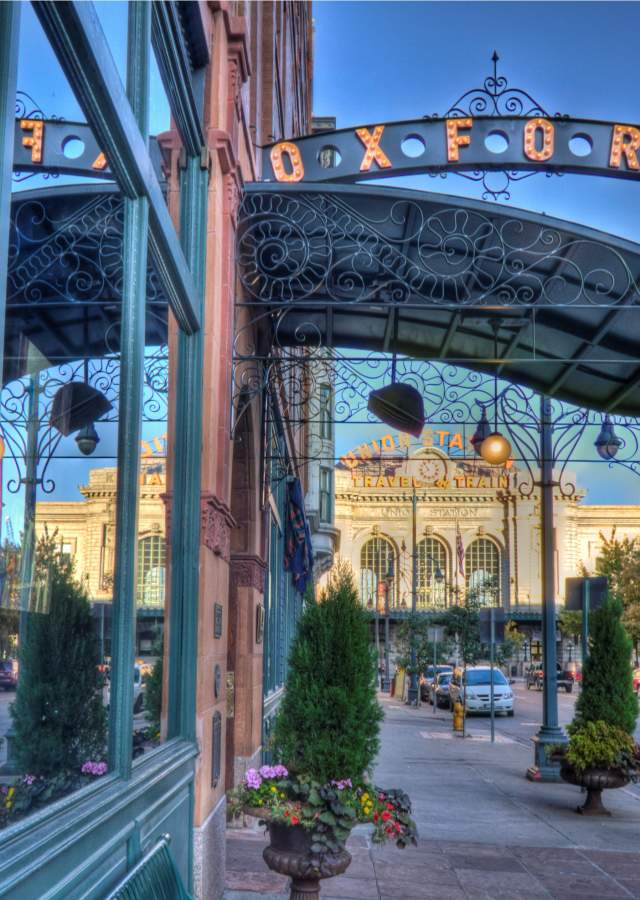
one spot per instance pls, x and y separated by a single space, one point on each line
456 140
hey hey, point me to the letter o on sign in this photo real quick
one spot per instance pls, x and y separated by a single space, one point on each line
531 130
290 150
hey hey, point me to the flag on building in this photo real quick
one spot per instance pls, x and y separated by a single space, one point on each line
459 551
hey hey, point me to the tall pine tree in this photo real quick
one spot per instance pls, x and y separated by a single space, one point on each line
328 724
58 715
607 686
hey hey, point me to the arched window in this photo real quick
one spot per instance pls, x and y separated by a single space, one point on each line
432 561
151 569
375 557
482 571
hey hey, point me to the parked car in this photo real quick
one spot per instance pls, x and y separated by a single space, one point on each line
565 678
138 690
636 680
427 679
475 693
439 693
9 674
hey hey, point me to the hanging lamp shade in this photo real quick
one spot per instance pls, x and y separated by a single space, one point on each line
483 429
399 406
76 405
607 443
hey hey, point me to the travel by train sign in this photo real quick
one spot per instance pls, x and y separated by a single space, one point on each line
460 143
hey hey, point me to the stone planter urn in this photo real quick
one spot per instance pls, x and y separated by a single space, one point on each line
595 781
289 853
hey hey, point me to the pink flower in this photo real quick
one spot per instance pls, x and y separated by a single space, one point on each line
252 779
94 768
29 779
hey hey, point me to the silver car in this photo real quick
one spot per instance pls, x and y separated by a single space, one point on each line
475 693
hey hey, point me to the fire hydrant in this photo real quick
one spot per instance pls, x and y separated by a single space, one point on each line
458 716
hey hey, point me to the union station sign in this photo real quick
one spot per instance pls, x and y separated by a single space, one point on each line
462 142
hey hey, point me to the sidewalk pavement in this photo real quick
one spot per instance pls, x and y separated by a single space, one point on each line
485 831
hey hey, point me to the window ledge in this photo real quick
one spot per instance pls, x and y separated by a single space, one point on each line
25 845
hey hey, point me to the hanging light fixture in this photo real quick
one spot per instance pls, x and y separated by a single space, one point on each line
483 430
87 439
607 443
398 405
495 449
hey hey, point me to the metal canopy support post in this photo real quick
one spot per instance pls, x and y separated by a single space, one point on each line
550 732
132 330
413 686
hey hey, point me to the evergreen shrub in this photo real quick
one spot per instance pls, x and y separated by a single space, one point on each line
328 723
607 685
58 714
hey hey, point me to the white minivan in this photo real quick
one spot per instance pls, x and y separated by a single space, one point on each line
477 688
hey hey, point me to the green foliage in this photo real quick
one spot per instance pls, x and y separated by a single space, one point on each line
58 715
463 625
328 723
570 623
417 627
607 688
153 689
619 560
597 744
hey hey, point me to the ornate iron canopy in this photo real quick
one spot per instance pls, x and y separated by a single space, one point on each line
426 275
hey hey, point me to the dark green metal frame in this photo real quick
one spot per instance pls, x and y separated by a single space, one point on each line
82 844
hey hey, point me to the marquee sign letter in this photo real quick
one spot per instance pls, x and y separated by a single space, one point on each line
625 140
373 149
456 140
35 139
290 150
531 130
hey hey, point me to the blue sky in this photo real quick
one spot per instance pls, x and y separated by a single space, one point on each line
377 62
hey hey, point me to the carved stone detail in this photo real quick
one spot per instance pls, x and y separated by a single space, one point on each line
216 524
248 571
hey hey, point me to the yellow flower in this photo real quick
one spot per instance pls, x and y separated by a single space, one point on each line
11 792
274 789
364 798
281 795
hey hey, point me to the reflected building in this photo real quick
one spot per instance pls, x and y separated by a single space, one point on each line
85 533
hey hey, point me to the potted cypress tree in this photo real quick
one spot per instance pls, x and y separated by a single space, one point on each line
601 753
326 737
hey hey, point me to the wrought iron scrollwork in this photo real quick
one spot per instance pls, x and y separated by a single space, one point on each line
320 246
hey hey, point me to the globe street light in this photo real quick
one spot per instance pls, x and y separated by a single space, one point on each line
607 443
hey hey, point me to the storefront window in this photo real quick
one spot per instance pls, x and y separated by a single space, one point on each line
432 568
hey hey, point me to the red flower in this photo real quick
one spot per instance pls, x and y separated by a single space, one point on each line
398 826
375 817
389 830
286 812
380 796
390 806
386 816
294 820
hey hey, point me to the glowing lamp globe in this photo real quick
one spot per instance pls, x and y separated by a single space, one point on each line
495 449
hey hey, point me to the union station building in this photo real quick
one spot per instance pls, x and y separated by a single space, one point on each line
476 529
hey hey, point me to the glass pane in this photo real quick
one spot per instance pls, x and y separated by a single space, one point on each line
59 427
114 19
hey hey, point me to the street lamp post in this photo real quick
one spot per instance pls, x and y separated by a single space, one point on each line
550 732
413 685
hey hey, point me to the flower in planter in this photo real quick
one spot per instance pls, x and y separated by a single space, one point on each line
94 768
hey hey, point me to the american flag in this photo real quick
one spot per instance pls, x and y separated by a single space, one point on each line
459 551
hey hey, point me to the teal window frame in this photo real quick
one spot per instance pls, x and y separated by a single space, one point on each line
118 117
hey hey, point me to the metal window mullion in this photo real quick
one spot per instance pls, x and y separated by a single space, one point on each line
9 29
185 514
76 36
132 338
175 71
